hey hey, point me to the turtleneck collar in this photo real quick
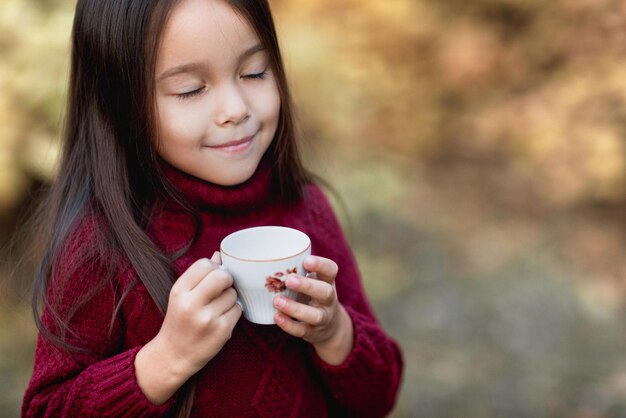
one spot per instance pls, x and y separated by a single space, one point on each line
205 196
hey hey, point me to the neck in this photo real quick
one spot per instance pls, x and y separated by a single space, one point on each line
205 196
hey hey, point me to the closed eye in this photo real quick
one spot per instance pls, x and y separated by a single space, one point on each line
190 94
256 76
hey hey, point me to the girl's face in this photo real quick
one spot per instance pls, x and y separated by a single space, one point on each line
217 100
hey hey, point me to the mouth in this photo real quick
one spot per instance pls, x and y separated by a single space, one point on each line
235 145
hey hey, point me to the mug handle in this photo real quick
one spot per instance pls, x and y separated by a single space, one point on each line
238 301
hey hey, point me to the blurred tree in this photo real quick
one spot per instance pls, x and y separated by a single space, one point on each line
481 149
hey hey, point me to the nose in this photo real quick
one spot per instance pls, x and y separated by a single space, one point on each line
232 107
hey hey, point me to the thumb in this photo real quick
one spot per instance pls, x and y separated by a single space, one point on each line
217 258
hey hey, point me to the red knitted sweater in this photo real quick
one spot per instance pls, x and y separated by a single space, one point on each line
261 371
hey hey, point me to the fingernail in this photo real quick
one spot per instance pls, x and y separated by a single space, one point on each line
293 281
279 301
309 260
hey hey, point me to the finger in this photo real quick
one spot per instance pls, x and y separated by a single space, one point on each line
194 274
233 314
322 292
304 313
325 268
213 285
224 302
297 329
216 260
226 323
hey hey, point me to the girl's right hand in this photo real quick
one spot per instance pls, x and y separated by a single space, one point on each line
200 318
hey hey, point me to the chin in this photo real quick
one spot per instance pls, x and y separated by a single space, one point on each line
234 179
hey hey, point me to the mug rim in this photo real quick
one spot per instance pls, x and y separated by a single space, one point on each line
266 260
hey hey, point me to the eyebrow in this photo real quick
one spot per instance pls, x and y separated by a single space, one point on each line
195 66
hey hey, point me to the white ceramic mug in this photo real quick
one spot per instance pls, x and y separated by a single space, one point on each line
260 259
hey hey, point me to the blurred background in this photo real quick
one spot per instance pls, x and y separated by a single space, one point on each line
480 151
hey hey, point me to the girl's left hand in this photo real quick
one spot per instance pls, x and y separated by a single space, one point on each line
323 322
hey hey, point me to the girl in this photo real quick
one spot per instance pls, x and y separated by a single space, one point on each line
179 132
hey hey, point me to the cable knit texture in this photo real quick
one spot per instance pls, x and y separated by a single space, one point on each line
260 372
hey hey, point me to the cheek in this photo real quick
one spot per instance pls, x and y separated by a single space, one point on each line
178 125
267 103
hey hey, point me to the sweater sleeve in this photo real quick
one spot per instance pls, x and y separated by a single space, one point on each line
97 379
366 384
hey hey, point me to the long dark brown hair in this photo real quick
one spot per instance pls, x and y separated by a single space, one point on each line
109 168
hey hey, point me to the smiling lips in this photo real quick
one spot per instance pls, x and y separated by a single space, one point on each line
234 146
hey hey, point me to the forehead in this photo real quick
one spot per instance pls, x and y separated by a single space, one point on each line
204 30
